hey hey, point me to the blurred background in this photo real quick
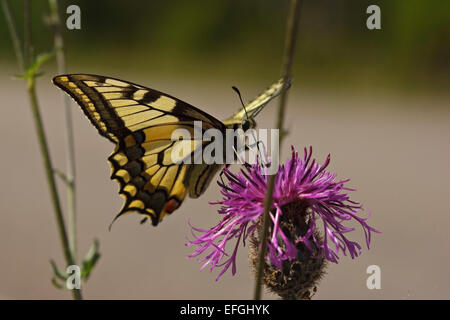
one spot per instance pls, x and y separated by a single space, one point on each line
377 100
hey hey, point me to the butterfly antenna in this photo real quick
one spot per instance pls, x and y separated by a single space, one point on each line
242 102
260 152
248 118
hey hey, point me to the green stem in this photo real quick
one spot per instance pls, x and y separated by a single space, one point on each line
50 177
286 73
31 90
70 167
27 34
48 167
14 35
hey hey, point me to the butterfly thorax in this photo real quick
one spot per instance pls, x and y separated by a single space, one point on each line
236 123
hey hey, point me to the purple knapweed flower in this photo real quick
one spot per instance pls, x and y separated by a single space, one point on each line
311 198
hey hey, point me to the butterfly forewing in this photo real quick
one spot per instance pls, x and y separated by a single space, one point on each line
116 107
257 104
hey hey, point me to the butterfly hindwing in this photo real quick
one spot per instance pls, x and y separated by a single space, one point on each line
152 183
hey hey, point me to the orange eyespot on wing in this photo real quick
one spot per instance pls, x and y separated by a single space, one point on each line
171 206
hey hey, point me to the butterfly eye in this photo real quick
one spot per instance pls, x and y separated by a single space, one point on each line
245 125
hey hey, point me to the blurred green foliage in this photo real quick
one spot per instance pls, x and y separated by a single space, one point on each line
245 38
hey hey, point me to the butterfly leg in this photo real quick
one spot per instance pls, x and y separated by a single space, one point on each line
259 153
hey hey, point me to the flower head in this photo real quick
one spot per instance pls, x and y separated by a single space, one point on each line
307 201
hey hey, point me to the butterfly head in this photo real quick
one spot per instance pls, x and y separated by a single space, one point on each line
243 121
247 124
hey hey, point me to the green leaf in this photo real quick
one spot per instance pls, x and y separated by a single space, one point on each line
31 72
56 284
57 273
90 260
19 76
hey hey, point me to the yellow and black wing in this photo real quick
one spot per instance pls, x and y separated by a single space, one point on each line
140 121
259 102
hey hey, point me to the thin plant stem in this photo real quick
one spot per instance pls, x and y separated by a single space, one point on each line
70 166
51 178
27 34
14 35
286 73
31 90
48 167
